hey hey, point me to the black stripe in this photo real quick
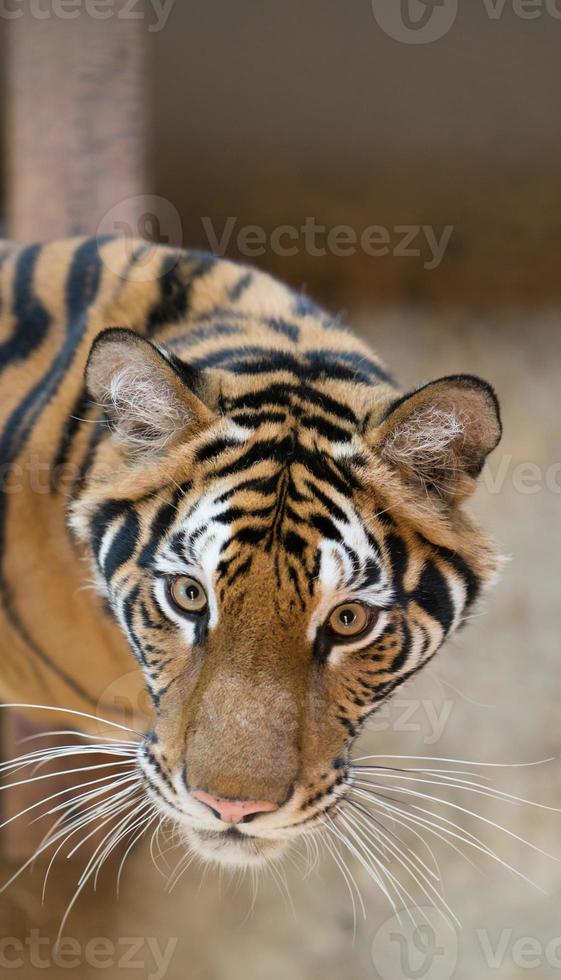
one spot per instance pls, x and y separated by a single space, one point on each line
71 427
471 581
98 431
161 524
254 421
294 544
250 535
123 546
264 486
324 469
285 395
240 287
201 334
237 513
215 448
326 428
240 570
371 574
280 361
433 595
262 450
103 517
31 319
399 560
401 657
178 273
289 330
355 359
325 526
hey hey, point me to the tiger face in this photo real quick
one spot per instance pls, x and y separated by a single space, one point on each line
280 557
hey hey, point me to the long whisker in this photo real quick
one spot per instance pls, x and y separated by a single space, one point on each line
88 871
471 813
68 789
78 734
467 785
48 841
464 835
54 752
73 711
64 772
130 825
149 819
369 868
460 762
115 805
410 821
434 874
410 864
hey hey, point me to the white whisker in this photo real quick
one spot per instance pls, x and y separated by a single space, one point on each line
72 711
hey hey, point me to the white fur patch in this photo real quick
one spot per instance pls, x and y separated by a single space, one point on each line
340 581
422 443
202 564
147 412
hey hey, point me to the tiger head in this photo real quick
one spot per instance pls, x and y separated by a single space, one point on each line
281 555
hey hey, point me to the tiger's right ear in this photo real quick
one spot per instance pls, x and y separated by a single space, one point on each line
439 436
150 397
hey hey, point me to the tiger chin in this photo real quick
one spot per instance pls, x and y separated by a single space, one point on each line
275 531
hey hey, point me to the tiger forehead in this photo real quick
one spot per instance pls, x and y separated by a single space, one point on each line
313 534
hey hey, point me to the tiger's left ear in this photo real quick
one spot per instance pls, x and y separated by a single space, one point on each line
439 436
150 397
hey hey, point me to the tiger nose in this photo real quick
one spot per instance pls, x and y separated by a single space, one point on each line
234 811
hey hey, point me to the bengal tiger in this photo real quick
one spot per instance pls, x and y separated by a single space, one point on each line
274 529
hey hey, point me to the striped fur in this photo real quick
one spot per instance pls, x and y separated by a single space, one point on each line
258 446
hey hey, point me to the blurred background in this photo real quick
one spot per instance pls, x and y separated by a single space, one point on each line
400 160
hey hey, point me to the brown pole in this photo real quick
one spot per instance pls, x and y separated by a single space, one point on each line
76 147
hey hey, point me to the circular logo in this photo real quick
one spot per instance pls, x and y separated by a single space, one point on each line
419 945
142 224
415 21
129 702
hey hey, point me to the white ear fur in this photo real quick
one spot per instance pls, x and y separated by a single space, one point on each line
440 435
147 414
422 443
148 405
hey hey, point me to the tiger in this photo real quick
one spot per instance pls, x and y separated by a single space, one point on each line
203 468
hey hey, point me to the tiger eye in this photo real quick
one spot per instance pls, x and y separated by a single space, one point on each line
187 594
349 619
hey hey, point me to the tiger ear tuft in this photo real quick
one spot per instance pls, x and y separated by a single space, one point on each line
148 396
440 435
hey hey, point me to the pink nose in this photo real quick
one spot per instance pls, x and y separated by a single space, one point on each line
234 811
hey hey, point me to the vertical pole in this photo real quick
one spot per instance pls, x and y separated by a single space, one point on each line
75 147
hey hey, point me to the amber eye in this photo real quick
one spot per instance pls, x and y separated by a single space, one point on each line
350 619
187 594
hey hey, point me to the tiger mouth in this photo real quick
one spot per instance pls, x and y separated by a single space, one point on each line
233 848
